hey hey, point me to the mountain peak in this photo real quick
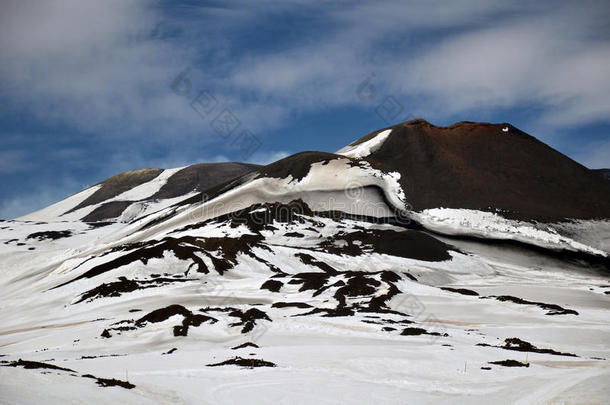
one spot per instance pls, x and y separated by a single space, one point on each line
484 166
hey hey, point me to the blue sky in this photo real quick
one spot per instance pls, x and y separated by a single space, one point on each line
86 87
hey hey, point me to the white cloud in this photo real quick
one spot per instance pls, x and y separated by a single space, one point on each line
102 65
93 65
264 158
553 57
532 62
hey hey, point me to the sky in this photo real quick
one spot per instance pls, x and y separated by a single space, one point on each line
89 89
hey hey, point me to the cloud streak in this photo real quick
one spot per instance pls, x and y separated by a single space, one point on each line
491 55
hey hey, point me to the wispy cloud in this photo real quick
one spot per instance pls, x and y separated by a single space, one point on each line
266 157
480 55
95 66
13 161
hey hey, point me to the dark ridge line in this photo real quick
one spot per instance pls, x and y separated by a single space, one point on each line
421 121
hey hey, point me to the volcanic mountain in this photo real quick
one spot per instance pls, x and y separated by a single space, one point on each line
488 167
417 264
139 191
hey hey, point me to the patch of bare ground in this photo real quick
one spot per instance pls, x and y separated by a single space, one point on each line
552 309
509 363
463 291
519 345
246 363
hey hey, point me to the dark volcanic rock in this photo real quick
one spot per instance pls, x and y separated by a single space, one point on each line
290 305
184 248
272 285
552 309
419 331
110 382
124 285
407 243
244 345
248 319
463 291
248 363
35 364
163 314
519 345
510 363
49 235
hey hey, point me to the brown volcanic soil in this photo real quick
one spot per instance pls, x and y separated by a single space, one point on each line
478 166
118 184
109 210
202 176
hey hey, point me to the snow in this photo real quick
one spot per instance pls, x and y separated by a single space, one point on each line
57 212
54 212
481 224
365 148
344 359
336 184
148 189
143 208
319 359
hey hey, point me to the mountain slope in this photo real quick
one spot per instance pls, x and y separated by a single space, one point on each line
139 192
322 277
605 173
489 167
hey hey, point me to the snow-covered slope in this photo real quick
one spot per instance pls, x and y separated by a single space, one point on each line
316 279
139 192
365 148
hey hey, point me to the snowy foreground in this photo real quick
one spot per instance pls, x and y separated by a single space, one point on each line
308 288
425 345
